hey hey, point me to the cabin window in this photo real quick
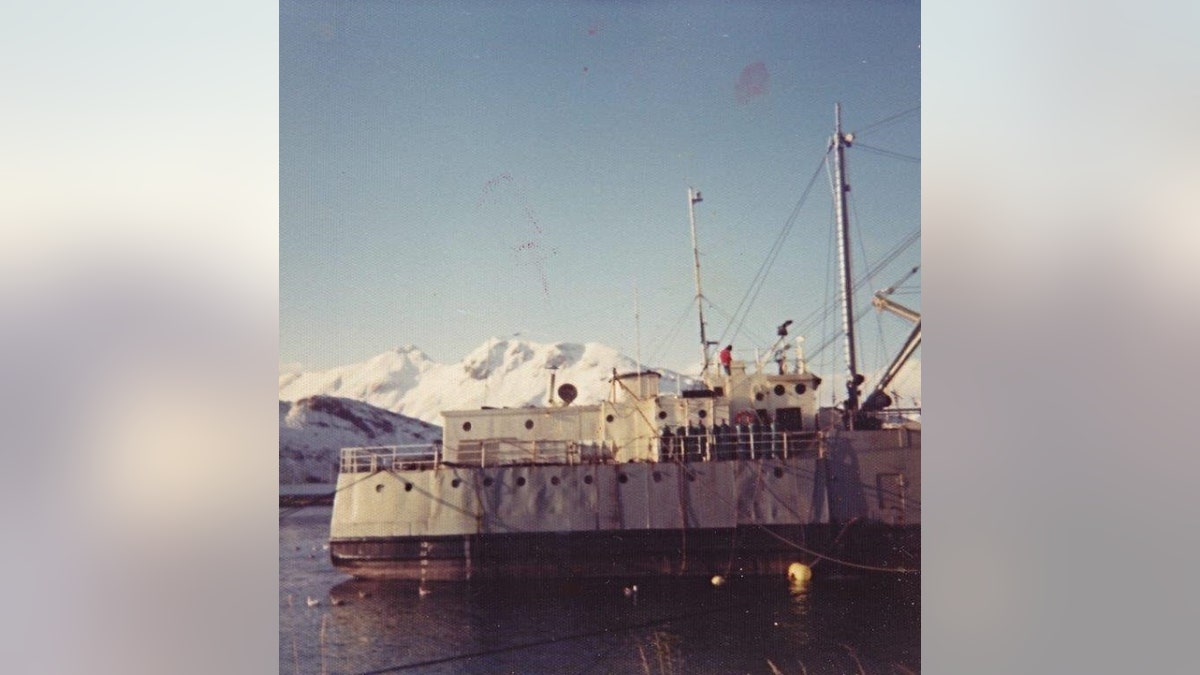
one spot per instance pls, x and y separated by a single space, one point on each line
609 418
800 388
528 424
789 419
408 487
466 426
702 414
455 483
662 414
779 389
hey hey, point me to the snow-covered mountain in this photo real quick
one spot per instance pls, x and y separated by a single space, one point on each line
313 430
501 373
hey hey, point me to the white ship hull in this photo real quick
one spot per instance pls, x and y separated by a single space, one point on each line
857 507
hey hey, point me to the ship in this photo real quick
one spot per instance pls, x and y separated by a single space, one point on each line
743 474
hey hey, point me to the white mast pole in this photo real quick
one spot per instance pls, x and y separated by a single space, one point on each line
840 141
693 197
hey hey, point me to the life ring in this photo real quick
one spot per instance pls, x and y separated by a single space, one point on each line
745 418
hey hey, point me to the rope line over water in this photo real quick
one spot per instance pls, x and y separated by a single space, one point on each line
541 643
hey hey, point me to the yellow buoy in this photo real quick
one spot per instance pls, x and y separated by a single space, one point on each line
799 572
718 580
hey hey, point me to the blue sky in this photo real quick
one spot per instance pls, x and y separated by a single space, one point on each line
452 171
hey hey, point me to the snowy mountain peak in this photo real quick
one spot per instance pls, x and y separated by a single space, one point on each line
500 372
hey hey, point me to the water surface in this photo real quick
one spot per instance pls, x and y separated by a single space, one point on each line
831 625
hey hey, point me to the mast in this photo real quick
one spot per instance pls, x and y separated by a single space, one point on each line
693 197
840 142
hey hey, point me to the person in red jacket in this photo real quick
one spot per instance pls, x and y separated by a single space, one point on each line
726 357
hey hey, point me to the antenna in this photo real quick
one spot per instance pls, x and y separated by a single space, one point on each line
693 198
637 324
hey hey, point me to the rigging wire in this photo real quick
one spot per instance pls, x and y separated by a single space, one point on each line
887 120
825 312
886 153
664 343
798 547
548 641
831 304
880 351
760 277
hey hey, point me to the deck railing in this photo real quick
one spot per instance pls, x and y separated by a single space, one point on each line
739 444
391 458
706 446
498 451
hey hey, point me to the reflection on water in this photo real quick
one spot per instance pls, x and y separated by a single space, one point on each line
669 626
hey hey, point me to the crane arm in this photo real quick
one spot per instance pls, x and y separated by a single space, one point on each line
883 304
878 398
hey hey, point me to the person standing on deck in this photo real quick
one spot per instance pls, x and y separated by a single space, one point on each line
726 357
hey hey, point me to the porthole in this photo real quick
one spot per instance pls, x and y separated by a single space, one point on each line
520 481
408 487
779 389
609 418
702 414
622 478
662 414
758 396
800 388
779 472
587 479
379 488
488 482
657 477
528 424
466 426
554 480
455 483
